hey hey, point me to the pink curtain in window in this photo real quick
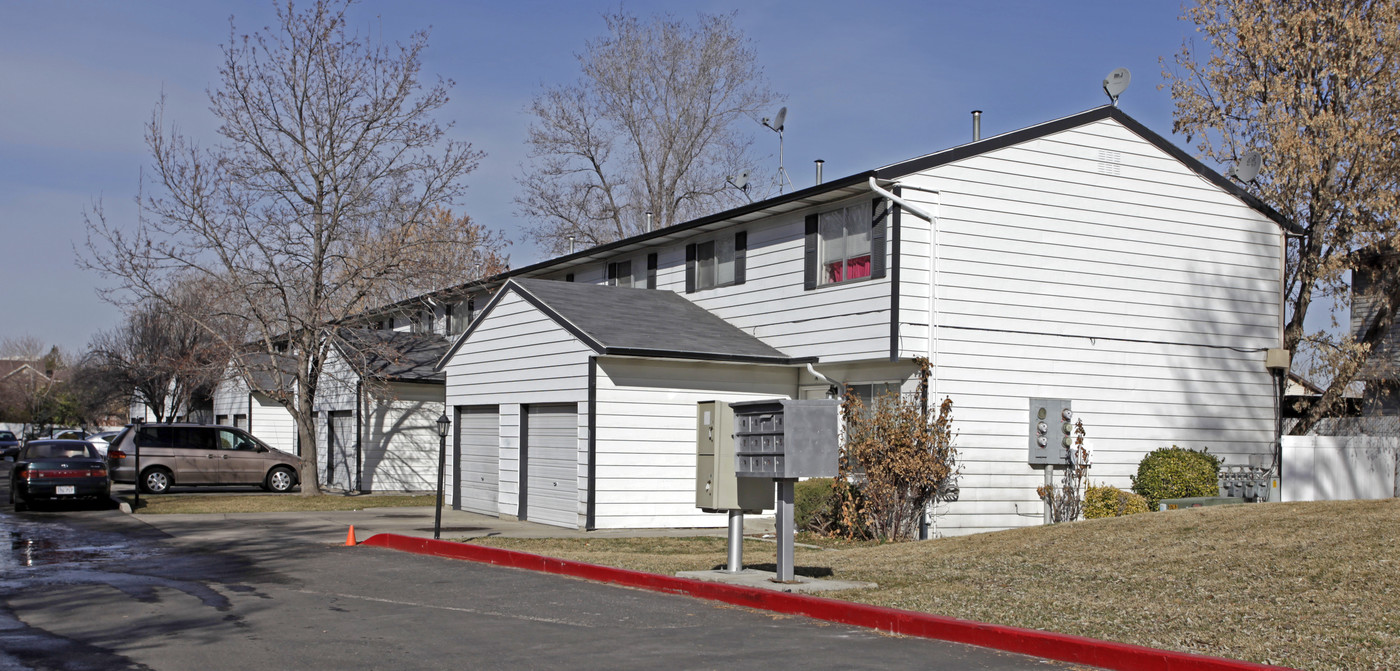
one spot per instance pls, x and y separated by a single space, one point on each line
858 267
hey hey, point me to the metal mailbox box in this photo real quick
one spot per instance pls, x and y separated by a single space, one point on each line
716 486
786 438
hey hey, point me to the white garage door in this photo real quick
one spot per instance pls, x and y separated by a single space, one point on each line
341 442
551 475
478 465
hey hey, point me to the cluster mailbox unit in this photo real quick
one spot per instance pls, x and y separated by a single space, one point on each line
783 440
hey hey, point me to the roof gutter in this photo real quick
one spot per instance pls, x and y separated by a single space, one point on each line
908 206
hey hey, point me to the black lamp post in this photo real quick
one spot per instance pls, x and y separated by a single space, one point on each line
443 424
136 454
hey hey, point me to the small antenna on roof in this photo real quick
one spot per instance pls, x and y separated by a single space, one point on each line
1116 83
1247 167
776 124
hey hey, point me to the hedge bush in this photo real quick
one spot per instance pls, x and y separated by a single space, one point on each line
1110 501
814 505
1176 472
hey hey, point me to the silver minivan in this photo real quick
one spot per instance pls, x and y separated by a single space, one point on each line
199 454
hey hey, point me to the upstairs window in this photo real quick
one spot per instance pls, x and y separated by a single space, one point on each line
639 272
845 244
459 315
716 263
422 322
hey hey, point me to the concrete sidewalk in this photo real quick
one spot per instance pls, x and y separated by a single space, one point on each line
331 527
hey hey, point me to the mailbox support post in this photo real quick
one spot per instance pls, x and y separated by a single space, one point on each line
783 517
736 541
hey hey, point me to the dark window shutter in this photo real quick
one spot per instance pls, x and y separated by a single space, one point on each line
612 273
809 252
569 277
741 249
877 237
651 270
690 268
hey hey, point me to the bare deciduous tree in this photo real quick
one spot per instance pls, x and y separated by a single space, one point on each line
662 113
322 197
162 355
1313 86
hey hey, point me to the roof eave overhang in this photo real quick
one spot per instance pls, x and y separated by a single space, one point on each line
709 357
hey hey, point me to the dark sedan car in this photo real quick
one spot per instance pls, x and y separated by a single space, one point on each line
9 445
58 470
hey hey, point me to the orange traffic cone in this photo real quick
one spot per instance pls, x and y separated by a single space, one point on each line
350 537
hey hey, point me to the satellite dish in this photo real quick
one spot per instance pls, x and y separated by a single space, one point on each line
1116 83
776 123
741 180
1247 168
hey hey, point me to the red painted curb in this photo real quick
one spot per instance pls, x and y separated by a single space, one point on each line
1049 645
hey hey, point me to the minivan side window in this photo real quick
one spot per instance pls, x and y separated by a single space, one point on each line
232 440
195 437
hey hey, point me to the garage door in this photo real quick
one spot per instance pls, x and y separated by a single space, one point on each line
478 459
551 469
341 446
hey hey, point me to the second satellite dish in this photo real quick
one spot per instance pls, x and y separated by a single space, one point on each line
776 123
741 180
1248 167
1116 83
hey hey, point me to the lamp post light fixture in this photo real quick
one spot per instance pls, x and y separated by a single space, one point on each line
136 455
443 424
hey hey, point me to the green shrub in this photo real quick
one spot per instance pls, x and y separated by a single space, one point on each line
814 505
1109 501
1176 472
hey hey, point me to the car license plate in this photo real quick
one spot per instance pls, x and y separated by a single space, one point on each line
64 489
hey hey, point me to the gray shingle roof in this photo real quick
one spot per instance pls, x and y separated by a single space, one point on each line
623 321
395 355
270 373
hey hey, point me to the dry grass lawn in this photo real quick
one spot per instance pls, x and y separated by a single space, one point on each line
244 503
1307 585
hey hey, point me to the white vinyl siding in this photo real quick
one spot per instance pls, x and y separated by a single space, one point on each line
401 437
1142 293
645 476
273 424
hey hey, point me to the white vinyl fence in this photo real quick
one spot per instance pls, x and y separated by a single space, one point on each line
1335 468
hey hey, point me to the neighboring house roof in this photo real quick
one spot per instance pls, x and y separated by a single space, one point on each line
10 367
394 355
623 321
845 187
1301 386
270 372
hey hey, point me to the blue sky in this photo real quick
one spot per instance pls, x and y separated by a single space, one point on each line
864 87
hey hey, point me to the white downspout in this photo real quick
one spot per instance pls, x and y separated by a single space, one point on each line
834 383
933 274
910 207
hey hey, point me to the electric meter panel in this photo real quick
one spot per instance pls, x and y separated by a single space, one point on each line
1051 428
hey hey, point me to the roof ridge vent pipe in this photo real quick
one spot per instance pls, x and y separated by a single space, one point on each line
976 125
819 163
648 221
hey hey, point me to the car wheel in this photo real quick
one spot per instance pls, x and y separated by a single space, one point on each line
280 480
20 504
156 481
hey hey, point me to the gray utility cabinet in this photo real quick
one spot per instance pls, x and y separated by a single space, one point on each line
1050 432
785 439
716 486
